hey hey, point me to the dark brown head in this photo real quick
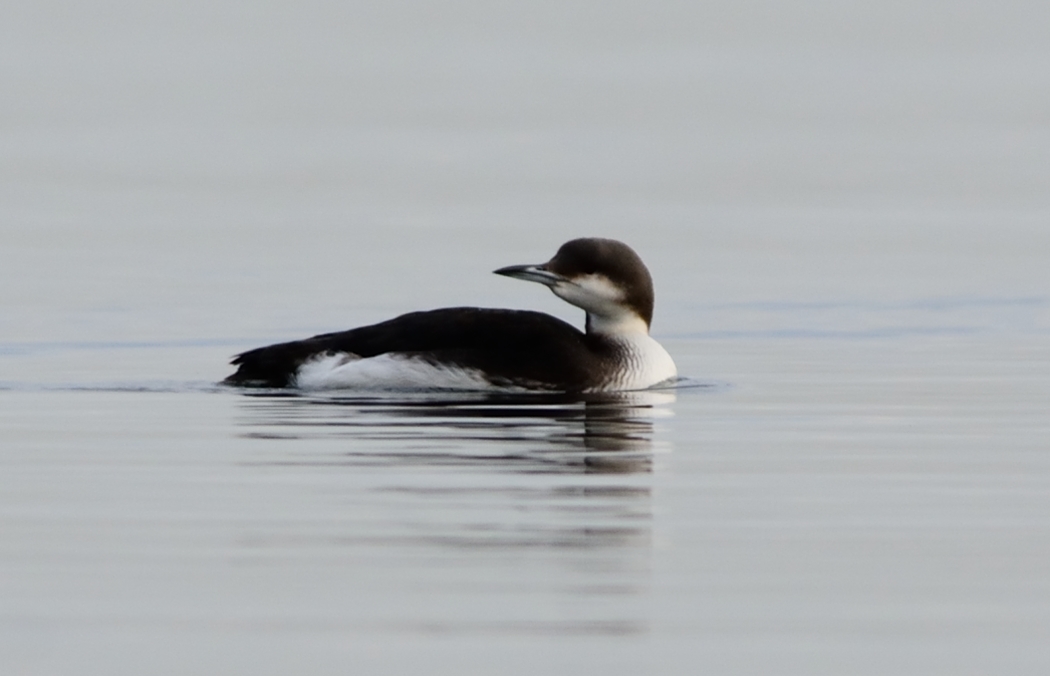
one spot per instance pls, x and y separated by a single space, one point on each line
603 276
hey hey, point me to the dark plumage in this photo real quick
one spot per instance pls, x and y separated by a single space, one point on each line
512 347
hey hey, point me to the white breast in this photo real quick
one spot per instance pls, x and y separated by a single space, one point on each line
646 363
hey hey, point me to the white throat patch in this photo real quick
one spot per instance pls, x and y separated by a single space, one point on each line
603 302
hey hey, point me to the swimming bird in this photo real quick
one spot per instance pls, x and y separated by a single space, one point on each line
467 348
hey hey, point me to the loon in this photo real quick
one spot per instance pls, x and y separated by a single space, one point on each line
467 348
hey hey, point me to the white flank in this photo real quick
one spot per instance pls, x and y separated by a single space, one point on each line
384 372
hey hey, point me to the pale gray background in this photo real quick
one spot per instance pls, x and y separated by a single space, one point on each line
846 207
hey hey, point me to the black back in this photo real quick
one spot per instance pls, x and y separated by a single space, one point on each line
511 347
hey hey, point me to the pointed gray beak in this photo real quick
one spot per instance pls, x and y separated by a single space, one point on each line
531 273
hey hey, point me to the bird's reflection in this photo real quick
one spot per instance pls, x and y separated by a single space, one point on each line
556 432
505 497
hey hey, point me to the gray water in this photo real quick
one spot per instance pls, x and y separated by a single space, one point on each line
846 213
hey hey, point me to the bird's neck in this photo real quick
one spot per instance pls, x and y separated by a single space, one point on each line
621 325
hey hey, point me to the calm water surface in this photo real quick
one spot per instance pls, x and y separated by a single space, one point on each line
861 504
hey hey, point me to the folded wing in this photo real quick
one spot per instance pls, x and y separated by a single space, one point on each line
511 347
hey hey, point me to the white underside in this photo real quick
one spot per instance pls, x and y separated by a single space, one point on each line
384 372
648 364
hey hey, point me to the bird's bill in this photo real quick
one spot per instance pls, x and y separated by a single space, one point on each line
531 273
